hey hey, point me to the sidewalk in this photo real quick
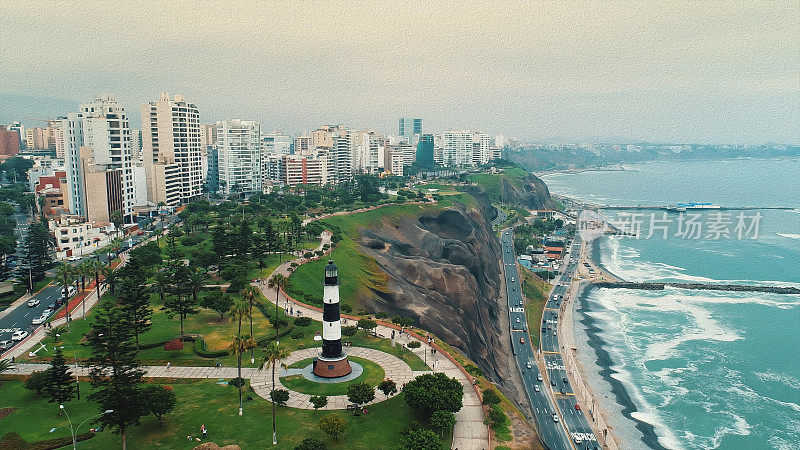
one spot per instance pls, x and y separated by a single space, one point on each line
470 432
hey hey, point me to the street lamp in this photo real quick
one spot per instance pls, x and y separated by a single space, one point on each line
74 355
74 430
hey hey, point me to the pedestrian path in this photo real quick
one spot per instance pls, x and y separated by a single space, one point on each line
395 369
470 432
151 371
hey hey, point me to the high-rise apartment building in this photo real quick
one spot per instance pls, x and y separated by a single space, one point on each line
342 148
302 145
172 150
410 126
136 144
9 142
239 147
16 126
97 157
457 148
425 150
34 138
481 149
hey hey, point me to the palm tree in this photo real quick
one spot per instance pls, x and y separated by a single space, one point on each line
158 236
195 281
110 278
64 276
239 311
249 294
162 283
5 366
275 354
95 267
160 217
278 281
241 342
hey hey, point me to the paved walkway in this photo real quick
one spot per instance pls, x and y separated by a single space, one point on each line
470 433
395 368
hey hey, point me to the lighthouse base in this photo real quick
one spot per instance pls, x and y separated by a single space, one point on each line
332 367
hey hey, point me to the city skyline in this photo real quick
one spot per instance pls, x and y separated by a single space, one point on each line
670 72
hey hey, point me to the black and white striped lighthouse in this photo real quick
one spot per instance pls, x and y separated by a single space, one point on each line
332 361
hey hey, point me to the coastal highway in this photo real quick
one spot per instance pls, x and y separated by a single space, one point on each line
20 318
573 418
553 433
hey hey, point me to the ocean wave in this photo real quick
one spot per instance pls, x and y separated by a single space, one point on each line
789 235
785 379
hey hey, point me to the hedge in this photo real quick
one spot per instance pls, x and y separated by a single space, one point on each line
201 350
262 341
13 441
263 310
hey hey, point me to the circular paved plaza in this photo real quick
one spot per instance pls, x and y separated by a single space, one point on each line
395 369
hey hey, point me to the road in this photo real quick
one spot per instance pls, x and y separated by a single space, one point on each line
20 316
542 405
572 431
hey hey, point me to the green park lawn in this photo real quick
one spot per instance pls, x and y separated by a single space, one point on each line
217 334
536 292
373 374
215 405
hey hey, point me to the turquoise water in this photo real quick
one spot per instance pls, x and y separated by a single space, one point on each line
702 369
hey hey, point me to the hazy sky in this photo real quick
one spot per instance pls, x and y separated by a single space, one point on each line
661 71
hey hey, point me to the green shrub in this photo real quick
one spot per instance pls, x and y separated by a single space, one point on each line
490 397
297 334
237 382
37 381
414 344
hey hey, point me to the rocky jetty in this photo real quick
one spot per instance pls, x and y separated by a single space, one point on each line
701 286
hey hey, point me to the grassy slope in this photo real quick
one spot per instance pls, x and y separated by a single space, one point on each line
373 374
535 291
212 404
492 183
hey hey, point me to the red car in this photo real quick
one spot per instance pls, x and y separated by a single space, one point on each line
577 407
522 340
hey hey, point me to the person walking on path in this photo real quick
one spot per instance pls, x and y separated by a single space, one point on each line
168 365
203 430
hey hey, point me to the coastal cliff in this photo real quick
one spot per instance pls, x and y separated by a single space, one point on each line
443 270
530 193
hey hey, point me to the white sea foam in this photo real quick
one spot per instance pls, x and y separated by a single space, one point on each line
789 235
785 379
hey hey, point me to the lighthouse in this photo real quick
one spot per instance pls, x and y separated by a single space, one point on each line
332 361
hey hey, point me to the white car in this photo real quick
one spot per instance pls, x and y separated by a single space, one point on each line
529 365
537 388
39 320
47 312
555 417
5 345
517 319
33 302
539 377
19 335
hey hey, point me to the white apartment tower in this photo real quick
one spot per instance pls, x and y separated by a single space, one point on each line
239 149
457 148
99 136
172 150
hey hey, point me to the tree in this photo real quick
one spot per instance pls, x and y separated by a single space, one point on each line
59 388
443 421
239 311
333 424
135 303
6 366
161 282
421 439
249 295
117 219
490 397
349 331
37 381
158 400
241 343
311 443
274 354
366 324
319 401
115 372
360 393
65 276
182 302
434 392
388 387
37 253
217 301
278 282
110 278
279 396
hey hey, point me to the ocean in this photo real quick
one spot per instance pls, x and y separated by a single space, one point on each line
696 369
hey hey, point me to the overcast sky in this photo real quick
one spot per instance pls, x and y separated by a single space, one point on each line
657 71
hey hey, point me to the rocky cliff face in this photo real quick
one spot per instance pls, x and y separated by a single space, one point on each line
532 195
444 270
